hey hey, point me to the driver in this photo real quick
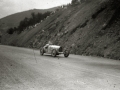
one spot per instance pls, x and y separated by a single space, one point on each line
46 46
50 43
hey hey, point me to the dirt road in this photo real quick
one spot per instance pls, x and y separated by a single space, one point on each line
21 70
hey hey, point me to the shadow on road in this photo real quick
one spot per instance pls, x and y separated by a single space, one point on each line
58 56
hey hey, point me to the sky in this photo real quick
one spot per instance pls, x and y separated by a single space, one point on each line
8 7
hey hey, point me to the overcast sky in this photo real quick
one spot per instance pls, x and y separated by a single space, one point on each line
8 7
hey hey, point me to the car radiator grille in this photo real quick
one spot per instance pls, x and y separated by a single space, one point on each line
60 49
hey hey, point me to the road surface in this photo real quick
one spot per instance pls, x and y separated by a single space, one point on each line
25 69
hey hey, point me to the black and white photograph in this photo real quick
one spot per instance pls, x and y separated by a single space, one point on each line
59 44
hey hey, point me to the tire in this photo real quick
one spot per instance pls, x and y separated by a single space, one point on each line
41 51
54 53
66 53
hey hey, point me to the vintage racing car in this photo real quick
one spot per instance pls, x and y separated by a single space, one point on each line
54 50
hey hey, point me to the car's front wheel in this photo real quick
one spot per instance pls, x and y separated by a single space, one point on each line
54 53
41 51
66 53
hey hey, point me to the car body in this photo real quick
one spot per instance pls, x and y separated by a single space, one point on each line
54 50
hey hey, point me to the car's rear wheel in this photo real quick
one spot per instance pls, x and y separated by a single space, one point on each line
66 53
41 51
54 53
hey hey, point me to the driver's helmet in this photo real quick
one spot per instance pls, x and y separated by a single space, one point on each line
50 43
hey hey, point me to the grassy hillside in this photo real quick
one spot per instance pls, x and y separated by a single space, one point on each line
14 20
91 28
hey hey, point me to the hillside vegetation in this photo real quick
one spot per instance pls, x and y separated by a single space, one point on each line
89 28
14 19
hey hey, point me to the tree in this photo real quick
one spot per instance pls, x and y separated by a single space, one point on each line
75 2
33 15
10 31
26 22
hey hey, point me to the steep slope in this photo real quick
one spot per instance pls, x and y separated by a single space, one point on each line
91 28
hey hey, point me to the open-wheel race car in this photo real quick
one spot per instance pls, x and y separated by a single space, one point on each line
54 50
